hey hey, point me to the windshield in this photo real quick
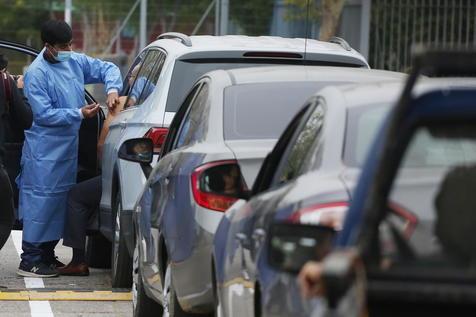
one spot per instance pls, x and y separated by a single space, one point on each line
262 111
424 151
362 125
187 72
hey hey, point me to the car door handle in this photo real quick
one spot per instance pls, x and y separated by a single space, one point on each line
258 237
258 234
241 238
122 124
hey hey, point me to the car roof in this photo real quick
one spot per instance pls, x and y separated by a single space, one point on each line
357 95
241 43
287 73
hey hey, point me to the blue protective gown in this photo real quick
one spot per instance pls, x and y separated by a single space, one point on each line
49 159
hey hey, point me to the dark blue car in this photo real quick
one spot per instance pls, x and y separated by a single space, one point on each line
423 263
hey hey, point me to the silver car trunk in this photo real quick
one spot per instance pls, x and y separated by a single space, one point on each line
250 154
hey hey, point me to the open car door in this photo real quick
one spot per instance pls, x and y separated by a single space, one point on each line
20 56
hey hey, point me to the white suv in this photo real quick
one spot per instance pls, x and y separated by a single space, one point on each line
157 81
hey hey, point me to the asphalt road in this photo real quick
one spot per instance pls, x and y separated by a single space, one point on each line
92 294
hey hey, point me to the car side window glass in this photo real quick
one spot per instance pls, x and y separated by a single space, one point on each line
430 218
300 147
178 118
151 81
143 76
195 124
131 74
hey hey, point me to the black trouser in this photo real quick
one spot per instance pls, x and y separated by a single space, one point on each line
7 216
83 200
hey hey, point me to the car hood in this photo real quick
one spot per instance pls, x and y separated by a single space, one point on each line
250 155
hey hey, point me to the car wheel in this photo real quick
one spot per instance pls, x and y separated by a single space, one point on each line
142 305
98 249
121 262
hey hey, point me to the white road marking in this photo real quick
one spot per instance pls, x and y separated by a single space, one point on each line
16 237
34 282
40 309
37 308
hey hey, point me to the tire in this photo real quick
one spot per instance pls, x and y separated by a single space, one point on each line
142 305
121 262
98 249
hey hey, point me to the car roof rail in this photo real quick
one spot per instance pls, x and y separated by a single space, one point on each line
185 39
340 41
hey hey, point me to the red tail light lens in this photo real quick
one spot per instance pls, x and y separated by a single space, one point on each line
328 214
405 220
157 135
217 185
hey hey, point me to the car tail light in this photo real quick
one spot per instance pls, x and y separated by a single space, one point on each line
157 135
328 214
273 55
217 185
404 219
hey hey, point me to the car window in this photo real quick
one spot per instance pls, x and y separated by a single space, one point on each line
145 75
187 72
132 73
362 125
262 110
178 118
271 162
18 62
195 122
432 203
300 147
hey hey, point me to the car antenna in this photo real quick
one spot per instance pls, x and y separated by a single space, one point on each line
307 30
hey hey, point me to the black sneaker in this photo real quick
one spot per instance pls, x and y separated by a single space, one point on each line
55 263
36 270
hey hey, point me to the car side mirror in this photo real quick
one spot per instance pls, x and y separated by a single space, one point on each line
139 150
339 273
291 245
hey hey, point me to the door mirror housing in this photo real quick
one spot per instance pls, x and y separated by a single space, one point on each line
291 245
140 150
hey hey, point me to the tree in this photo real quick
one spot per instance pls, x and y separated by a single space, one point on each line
327 12
253 17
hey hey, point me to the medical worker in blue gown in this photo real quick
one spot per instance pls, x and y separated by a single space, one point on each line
54 86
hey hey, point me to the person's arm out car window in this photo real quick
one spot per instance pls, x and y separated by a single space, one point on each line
98 71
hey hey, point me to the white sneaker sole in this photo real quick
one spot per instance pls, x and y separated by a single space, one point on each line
31 274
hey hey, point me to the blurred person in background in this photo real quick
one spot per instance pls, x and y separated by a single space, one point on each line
15 113
54 86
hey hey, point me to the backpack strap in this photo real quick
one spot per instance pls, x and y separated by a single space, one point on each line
7 90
